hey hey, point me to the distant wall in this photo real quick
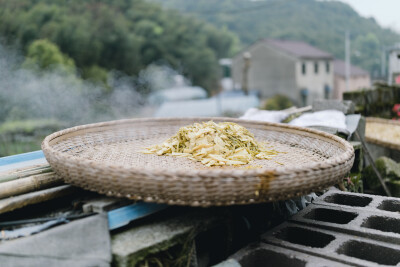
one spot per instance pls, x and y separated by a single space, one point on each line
355 83
375 102
271 72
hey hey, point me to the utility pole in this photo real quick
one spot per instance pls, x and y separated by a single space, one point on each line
383 63
347 60
246 66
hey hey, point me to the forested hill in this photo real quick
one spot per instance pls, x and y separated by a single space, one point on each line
320 23
124 35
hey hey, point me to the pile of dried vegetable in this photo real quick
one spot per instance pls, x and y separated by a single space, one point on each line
213 144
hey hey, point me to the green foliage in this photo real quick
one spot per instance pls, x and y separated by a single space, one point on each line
394 187
45 55
97 75
28 127
367 52
120 35
320 23
25 136
278 102
389 170
8 148
354 183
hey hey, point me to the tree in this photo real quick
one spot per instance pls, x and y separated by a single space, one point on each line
44 55
367 52
123 35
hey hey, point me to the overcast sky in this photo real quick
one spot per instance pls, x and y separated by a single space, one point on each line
385 12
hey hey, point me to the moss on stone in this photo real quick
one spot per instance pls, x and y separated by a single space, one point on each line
394 187
388 168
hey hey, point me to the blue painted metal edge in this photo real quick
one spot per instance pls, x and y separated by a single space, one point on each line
21 157
123 216
116 218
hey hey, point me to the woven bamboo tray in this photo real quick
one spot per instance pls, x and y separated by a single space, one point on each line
383 132
105 158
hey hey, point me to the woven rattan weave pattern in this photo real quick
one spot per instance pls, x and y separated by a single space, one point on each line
106 157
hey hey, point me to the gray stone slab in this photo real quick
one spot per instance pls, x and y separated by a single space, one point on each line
334 246
84 242
103 204
136 243
346 106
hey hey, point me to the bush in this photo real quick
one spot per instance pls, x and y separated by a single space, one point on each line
278 102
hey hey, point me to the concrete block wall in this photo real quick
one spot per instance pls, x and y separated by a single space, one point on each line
377 101
339 227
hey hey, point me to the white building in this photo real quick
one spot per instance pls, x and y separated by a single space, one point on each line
292 68
394 65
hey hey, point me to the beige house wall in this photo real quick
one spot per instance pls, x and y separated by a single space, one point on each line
275 72
315 82
355 83
271 72
394 65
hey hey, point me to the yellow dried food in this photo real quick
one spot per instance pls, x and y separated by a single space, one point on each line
213 144
383 132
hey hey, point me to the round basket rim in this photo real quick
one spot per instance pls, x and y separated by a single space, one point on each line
338 159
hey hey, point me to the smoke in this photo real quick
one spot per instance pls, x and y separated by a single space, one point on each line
54 94
157 77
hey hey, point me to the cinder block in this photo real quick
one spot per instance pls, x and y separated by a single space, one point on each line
335 197
261 254
380 225
388 206
228 263
334 246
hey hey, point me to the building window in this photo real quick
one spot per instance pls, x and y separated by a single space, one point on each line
303 68
327 67
316 67
304 96
327 91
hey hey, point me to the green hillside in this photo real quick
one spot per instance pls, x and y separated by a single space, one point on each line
320 23
124 35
